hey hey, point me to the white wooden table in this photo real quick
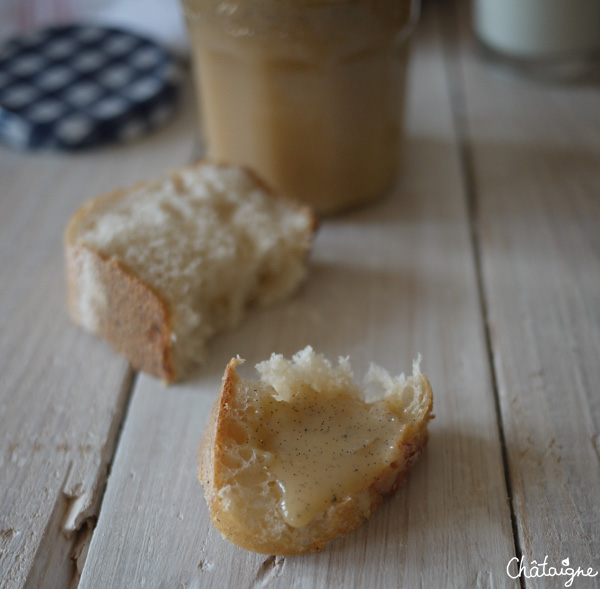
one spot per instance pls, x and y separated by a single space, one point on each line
485 259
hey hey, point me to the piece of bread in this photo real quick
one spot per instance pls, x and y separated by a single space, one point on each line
158 268
306 455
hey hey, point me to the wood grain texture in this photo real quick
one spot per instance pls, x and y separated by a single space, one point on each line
62 393
385 283
534 152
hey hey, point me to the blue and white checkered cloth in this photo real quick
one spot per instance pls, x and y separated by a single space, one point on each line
79 86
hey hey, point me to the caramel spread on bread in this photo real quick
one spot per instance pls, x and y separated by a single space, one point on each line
301 456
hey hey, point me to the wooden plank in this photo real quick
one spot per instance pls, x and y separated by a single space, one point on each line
386 283
535 155
62 393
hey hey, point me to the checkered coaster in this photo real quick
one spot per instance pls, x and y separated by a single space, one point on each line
75 87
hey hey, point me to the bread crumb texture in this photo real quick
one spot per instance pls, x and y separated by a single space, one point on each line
207 242
305 454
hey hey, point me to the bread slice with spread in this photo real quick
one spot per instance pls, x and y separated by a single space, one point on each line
302 456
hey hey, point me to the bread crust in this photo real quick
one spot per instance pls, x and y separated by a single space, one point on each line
341 518
131 316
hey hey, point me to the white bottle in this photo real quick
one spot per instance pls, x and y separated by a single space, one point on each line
542 30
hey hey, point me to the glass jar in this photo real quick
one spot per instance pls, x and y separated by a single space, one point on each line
309 93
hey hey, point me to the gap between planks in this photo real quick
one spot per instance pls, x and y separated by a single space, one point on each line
449 31
85 534
76 528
